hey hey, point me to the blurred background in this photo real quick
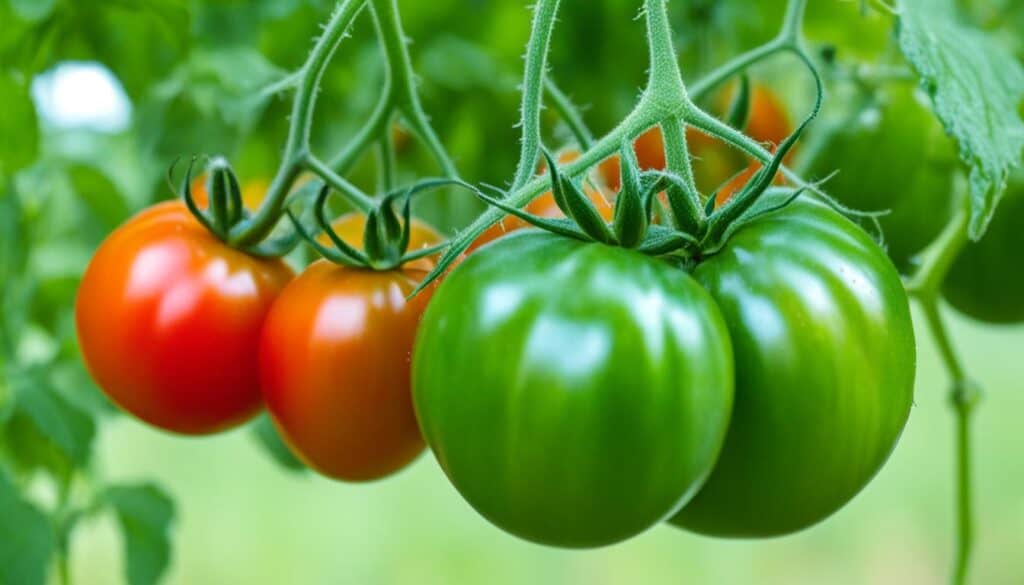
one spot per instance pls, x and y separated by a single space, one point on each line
98 99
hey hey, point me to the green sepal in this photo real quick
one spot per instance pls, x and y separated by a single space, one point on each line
660 240
225 195
684 203
773 200
562 227
574 203
344 253
739 110
331 254
632 206
190 202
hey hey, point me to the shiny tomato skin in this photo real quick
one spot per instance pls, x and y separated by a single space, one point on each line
825 360
168 320
986 282
334 362
574 393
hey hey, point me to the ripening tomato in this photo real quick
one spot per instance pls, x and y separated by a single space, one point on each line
545 206
574 393
168 321
334 362
986 281
824 351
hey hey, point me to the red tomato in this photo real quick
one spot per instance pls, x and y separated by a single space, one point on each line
334 362
168 320
544 206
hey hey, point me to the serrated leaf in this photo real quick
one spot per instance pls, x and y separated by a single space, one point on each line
145 513
268 437
977 86
67 427
26 538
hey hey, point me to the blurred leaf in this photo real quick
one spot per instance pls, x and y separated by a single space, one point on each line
145 513
100 195
26 538
976 86
267 436
59 422
211 101
18 125
460 65
33 10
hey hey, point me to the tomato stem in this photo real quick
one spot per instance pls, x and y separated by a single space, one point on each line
925 286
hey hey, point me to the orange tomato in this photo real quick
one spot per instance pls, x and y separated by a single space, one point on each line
334 362
168 320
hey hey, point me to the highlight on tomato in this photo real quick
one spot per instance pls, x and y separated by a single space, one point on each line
335 349
168 319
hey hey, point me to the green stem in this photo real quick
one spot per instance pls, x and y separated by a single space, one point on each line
297 144
406 99
357 198
570 115
926 286
533 87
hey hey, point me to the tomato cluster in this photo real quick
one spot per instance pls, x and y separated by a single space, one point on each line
577 393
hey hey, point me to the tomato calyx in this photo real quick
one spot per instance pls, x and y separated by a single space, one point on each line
226 209
386 235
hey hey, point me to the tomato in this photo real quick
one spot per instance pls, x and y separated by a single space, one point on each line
986 281
824 352
714 161
894 156
334 362
168 321
545 206
574 393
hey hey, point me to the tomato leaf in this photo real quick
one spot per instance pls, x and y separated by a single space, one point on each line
268 437
976 85
145 513
18 126
26 539
66 426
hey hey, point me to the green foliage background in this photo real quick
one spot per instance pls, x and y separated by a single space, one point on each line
193 71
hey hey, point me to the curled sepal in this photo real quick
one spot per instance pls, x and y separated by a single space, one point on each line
575 204
632 206
684 202
225 194
331 254
759 183
562 227
342 247
190 202
661 240
773 200
739 109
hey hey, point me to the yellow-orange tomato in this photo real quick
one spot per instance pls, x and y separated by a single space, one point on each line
334 362
168 319
544 206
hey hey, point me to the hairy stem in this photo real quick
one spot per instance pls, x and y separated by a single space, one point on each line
297 144
533 87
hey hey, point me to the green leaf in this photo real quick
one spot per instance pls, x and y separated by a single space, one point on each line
60 423
26 538
977 86
267 436
145 513
99 194
33 10
18 125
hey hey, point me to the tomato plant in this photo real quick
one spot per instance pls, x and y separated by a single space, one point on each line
168 320
574 393
334 362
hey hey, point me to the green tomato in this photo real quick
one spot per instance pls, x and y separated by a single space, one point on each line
894 156
574 393
824 352
986 281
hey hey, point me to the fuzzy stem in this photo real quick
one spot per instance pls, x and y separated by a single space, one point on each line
533 87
